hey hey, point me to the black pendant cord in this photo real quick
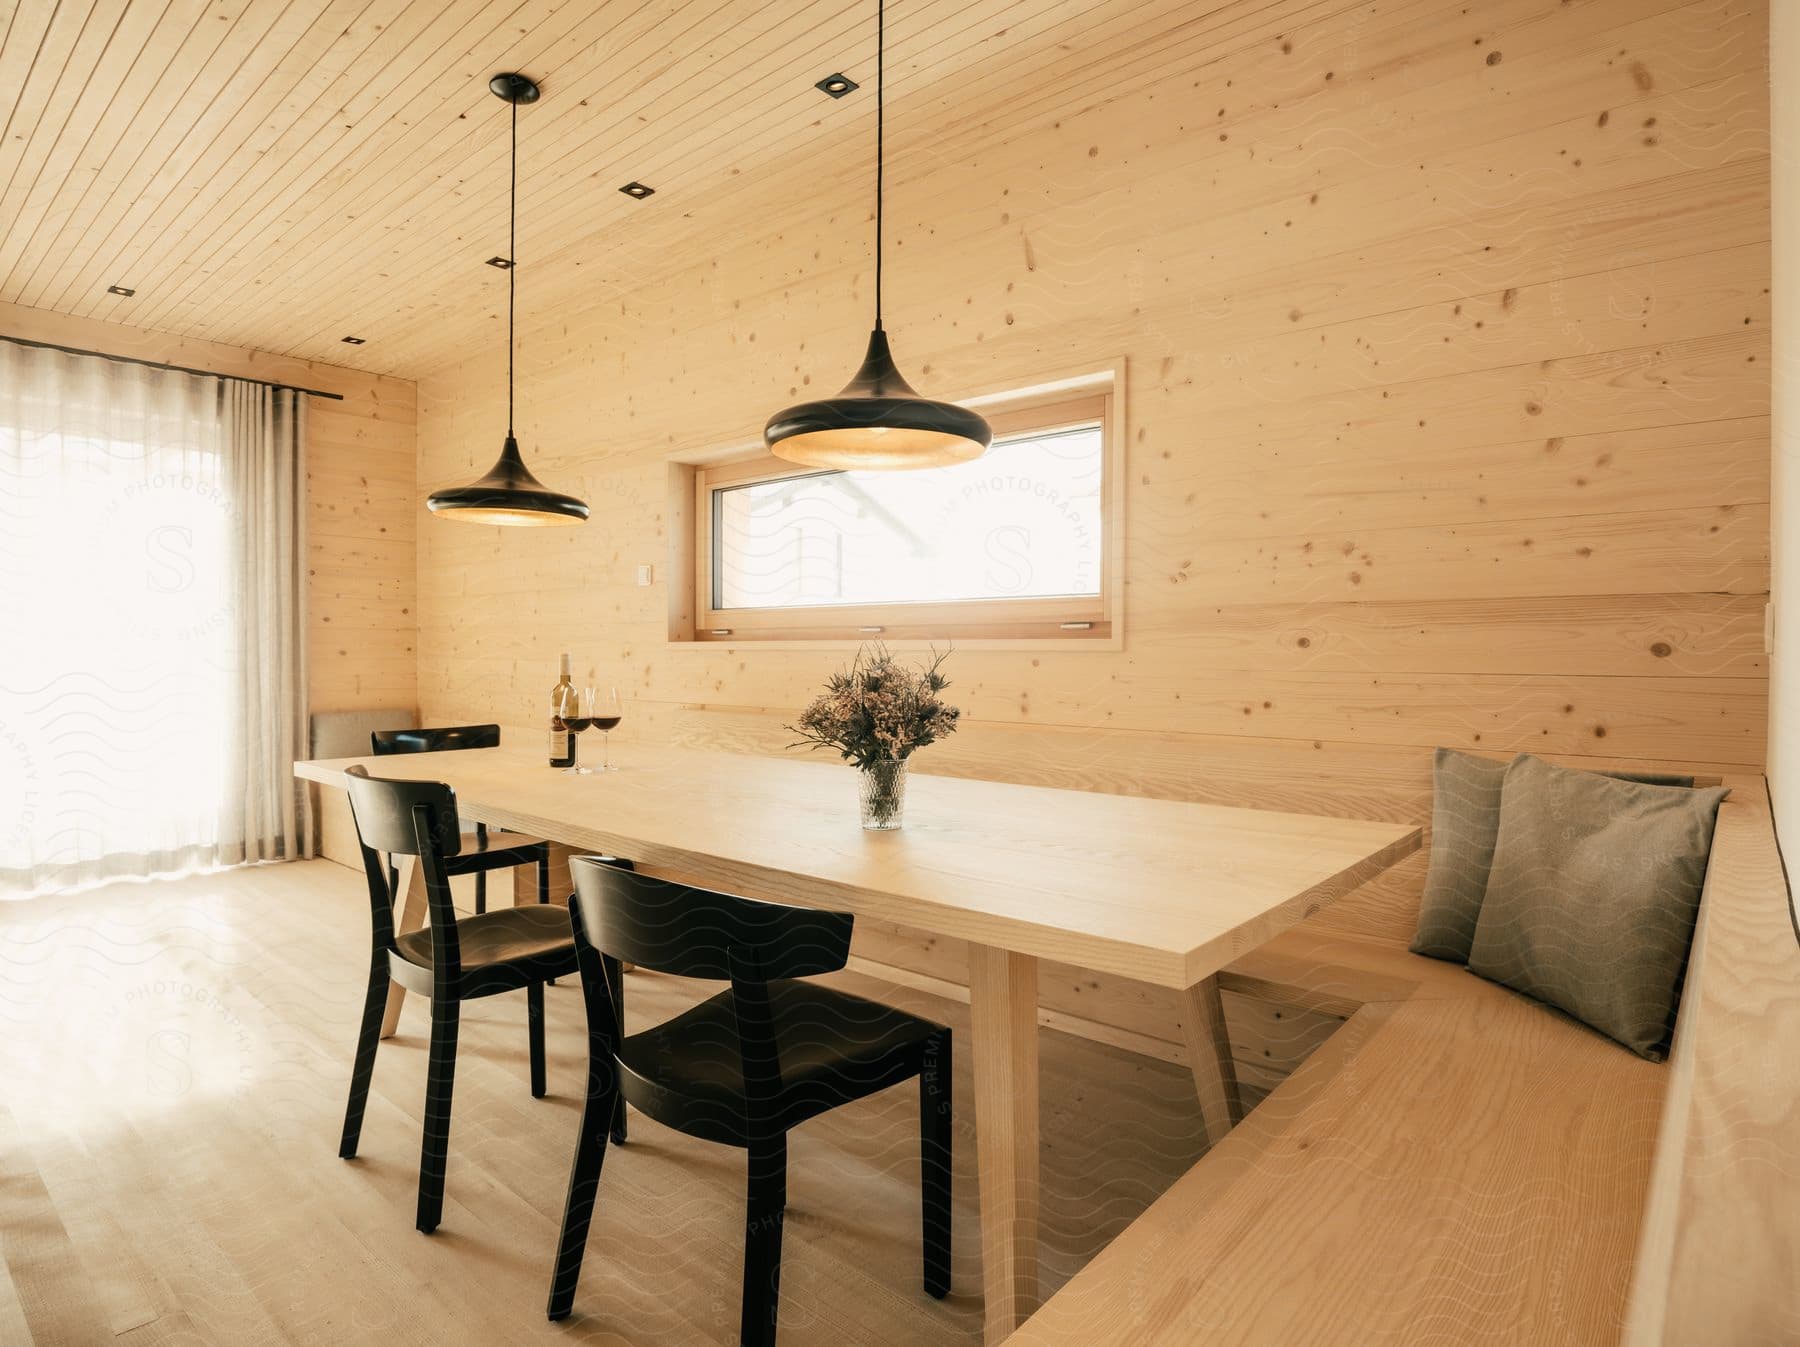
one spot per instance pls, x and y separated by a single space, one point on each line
880 139
512 269
850 432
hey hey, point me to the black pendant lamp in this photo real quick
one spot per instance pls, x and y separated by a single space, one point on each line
509 494
878 421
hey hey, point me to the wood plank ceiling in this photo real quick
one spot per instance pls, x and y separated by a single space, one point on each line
282 175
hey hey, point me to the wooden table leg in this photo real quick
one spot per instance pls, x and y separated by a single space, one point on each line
1003 1009
1209 1057
409 888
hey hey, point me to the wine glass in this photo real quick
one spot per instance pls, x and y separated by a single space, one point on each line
606 714
575 708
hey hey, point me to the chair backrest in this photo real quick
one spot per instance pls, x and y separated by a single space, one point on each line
408 818
697 933
384 814
441 739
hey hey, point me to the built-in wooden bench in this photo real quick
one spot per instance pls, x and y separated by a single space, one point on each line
1460 1164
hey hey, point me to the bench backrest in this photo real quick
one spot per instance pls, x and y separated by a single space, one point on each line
1720 1239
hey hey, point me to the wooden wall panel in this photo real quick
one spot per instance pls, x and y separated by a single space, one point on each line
362 503
1473 449
1447 395
1784 727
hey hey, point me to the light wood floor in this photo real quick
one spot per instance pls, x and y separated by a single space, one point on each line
174 1057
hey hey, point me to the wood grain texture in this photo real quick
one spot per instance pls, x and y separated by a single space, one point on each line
1159 890
1719 1246
1003 1015
1784 616
362 628
1469 1170
1017 871
1333 972
1459 1162
411 907
177 1148
1270 1033
338 155
1209 1051
1445 336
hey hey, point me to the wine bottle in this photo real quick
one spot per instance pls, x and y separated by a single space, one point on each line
562 741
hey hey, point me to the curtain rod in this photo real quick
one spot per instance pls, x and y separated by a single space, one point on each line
157 364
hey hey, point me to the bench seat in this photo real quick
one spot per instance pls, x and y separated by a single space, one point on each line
1338 974
1460 1164
1466 1169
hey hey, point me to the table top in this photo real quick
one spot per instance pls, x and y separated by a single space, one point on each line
1163 891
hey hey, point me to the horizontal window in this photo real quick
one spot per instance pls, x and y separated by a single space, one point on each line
1012 544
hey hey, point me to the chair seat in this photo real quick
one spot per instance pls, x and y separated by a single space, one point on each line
833 1047
496 851
509 935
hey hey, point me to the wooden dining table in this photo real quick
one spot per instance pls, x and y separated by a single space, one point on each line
1162 891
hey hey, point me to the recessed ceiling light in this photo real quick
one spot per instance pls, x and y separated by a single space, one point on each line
503 263
637 190
125 290
837 85
353 341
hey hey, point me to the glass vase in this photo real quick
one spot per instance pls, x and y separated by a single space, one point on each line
883 794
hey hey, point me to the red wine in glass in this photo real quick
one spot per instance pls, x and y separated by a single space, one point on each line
607 713
576 712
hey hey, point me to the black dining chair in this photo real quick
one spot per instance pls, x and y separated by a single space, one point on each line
448 738
745 1067
452 960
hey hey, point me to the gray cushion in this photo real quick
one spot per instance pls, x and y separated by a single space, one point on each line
1592 896
1465 819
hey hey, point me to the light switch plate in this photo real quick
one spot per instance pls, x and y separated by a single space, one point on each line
643 575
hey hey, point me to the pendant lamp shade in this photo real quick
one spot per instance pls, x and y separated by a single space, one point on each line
509 494
878 421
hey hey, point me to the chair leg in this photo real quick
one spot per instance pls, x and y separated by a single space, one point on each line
762 1242
368 1035
534 1014
440 1080
481 834
615 986
584 1176
935 1129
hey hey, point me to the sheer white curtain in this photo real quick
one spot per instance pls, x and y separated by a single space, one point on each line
152 655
